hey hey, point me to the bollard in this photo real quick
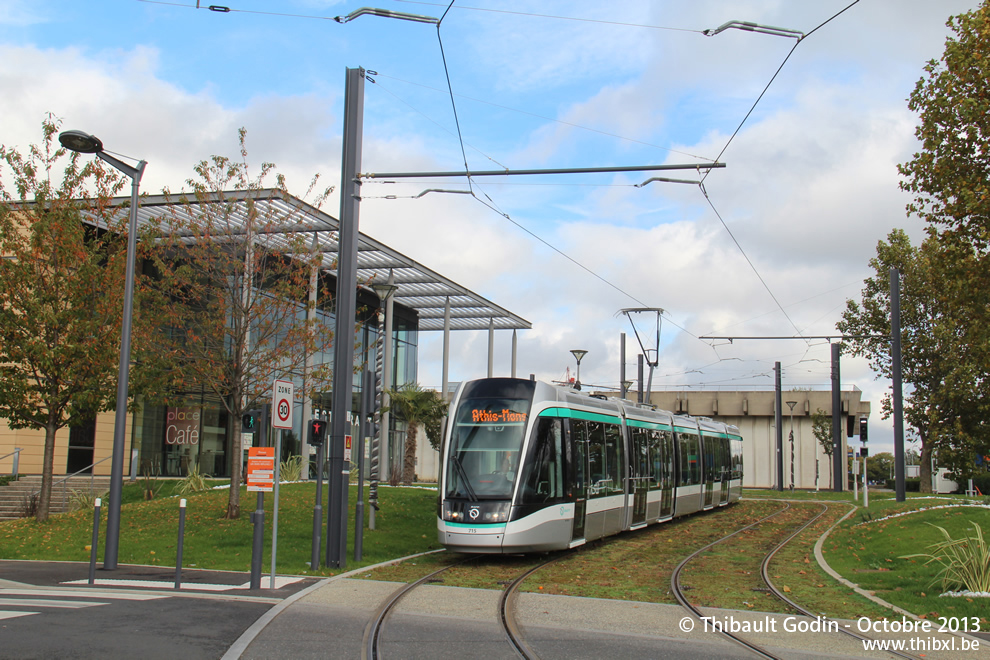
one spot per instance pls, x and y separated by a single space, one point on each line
178 550
258 518
96 540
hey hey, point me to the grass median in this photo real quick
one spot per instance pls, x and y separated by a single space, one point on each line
405 525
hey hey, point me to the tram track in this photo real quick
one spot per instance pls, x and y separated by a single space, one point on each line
374 631
765 574
678 590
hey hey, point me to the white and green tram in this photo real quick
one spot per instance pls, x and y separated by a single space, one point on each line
528 467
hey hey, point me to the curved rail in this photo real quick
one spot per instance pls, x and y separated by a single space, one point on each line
507 610
373 631
765 573
675 586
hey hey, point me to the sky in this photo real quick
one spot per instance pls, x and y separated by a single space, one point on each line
773 244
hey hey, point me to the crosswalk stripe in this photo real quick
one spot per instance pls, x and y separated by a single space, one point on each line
58 593
14 615
41 602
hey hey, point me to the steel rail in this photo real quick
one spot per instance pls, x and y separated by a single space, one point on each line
765 573
675 586
507 609
370 648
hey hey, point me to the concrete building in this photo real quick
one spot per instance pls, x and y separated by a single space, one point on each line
753 412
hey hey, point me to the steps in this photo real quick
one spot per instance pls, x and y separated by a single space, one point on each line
13 496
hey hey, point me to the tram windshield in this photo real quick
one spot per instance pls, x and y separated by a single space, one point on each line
485 441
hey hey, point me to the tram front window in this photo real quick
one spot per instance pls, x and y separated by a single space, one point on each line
483 454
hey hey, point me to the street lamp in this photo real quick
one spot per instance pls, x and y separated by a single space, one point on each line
88 144
578 354
626 384
791 404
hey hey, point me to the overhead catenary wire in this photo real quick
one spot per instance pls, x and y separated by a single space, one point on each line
472 184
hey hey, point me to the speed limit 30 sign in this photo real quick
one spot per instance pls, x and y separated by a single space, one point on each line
282 404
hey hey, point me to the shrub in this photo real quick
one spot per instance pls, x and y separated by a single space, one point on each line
193 483
81 500
291 469
965 562
911 484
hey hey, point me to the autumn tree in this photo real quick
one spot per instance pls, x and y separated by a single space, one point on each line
61 286
239 271
949 180
821 428
417 406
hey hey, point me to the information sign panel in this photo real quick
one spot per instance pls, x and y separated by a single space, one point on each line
261 469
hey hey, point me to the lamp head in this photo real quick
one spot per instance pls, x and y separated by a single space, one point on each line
78 141
383 290
578 354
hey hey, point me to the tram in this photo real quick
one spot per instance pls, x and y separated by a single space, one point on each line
527 466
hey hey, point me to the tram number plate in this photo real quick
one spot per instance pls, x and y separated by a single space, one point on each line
471 530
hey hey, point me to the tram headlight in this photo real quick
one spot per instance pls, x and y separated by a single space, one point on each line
498 512
450 515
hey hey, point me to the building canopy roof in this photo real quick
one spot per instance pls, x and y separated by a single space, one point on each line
419 288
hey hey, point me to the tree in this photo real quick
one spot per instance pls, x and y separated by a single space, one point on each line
935 407
239 278
821 427
950 183
879 467
61 285
417 406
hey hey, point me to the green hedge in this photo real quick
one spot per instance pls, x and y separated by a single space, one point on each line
981 481
911 484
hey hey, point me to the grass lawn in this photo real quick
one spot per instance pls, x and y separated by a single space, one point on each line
866 548
405 524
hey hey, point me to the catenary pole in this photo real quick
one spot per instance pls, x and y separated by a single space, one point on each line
897 395
343 381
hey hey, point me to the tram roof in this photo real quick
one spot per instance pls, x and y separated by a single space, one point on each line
419 287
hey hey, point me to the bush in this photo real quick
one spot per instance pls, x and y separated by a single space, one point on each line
965 562
193 483
911 484
291 469
81 500
980 481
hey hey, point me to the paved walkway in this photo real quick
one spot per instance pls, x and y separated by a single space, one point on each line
328 620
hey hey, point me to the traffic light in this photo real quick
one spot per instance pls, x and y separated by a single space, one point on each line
317 430
863 427
249 421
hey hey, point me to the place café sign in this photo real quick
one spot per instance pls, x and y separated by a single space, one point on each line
182 426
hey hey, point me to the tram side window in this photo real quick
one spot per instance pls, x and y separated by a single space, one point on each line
640 463
544 478
737 459
690 463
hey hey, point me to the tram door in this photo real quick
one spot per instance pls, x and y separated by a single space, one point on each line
639 465
666 472
708 467
725 468
577 445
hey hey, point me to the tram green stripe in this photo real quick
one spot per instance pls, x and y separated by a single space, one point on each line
579 414
491 527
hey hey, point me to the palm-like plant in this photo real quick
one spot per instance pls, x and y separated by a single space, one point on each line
417 406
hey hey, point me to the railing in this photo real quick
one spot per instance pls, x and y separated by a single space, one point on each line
17 457
92 480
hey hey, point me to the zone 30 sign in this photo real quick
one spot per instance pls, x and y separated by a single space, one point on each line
282 404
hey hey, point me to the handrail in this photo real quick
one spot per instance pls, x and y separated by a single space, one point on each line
74 474
17 456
